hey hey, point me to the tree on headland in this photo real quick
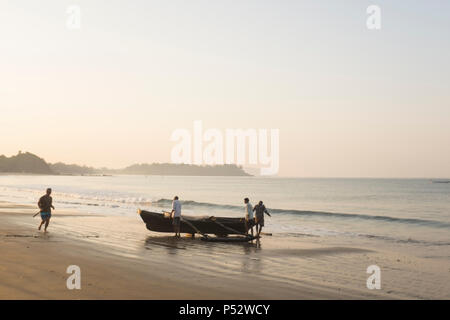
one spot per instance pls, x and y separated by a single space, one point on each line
24 163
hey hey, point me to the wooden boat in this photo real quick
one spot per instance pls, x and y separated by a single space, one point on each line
219 226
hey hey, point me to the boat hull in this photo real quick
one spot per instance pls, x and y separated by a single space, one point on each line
159 222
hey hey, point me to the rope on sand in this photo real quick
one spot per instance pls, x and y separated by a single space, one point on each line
213 219
194 227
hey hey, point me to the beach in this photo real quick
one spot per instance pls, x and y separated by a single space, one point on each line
120 259
326 123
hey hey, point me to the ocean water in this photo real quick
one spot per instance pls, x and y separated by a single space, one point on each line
396 211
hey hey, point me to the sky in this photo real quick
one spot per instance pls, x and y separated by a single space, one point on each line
348 101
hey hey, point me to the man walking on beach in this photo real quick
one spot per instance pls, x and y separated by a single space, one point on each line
249 219
46 205
260 209
176 215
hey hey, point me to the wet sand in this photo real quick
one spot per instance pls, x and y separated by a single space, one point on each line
120 259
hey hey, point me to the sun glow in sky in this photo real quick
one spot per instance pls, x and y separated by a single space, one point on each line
348 101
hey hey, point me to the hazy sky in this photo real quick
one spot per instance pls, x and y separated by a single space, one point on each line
348 101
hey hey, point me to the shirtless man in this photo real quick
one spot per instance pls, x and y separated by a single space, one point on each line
46 205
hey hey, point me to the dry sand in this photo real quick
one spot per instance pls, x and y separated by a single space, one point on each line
120 259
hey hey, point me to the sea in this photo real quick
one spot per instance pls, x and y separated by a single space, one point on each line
395 211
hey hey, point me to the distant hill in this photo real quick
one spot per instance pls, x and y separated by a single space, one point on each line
24 163
30 163
72 169
166 169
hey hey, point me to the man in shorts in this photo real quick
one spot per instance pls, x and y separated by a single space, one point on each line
46 205
176 216
260 209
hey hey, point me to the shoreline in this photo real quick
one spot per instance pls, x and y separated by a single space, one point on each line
120 259
44 259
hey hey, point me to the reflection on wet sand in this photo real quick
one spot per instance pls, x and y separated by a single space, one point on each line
188 243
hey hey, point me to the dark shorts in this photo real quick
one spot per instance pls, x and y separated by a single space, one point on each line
260 221
45 215
176 221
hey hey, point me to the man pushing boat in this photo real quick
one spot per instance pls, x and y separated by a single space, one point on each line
249 219
260 209
176 216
